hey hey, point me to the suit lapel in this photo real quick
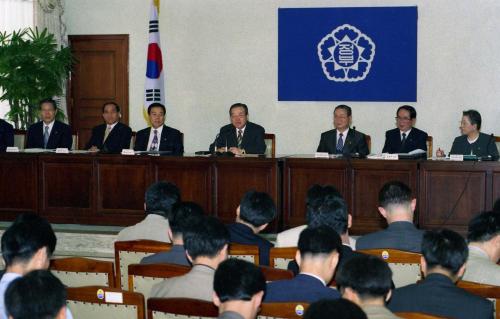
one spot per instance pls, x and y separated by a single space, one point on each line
348 141
54 134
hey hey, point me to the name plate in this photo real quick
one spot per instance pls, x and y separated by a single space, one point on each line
391 157
113 297
12 149
457 157
128 151
62 150
321 155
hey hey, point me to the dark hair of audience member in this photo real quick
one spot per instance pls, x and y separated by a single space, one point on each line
369 276
334 309
316 195
444 248
321 240
37 295
207 238
160 197
236 279
331 212
184 216
394 193
25 237
257 208
484 227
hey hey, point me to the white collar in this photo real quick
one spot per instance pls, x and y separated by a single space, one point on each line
407 133
242 130
344 134
315 276
50 125
478 251
112 126
472 141
159 130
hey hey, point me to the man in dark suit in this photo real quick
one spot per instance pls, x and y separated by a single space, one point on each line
159 137
184 216
6 135
343 139
443 263
255 212
241 136
49 133
405 138
397 207
112 136
317 257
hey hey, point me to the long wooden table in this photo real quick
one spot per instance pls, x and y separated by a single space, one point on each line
109 189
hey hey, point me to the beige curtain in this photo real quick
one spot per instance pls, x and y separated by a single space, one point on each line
50 14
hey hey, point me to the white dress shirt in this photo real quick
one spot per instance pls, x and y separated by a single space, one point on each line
151 136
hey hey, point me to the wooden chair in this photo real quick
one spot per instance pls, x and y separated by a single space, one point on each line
416 315
74 139
368 140
141 278
248 253
77 271
289 310
131 252
99 302
20 138
486 291
170 308
281 256
273 274
429 146
405 265
270 140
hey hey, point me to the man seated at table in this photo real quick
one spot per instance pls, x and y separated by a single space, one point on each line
6 135
405 138
484 249
159 199
397 207
444 253
367 281
241 136
112 136
255 212
49 133
343 139
184 215
472 141
159 137
317 256
206 245
238 289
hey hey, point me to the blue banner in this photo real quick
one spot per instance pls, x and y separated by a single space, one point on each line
347 54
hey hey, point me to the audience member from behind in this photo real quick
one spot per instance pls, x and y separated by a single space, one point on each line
444 254
238 289
6 135
335 309
484 249
367 280
206 246
317 256
37 295
397 207
184 216
255 212
159 199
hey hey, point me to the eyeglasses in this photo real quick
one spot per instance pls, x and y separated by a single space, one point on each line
402 118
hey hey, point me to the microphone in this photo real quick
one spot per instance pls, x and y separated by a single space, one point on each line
213 147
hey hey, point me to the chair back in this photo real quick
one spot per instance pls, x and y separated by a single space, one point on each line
20 139
270 140
416 315
279 257
248 253
78 271
273 274
368 140
288 310
131 252
142 278
180 308
484 290
99 302
405 265
429 146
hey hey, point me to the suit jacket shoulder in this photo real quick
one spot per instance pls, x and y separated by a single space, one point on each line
6 135
303 288
399 235
290 237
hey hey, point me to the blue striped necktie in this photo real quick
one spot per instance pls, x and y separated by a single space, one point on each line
340 144
45 136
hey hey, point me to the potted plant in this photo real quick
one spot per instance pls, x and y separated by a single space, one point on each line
32 68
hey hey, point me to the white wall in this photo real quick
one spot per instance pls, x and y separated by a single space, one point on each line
218 52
